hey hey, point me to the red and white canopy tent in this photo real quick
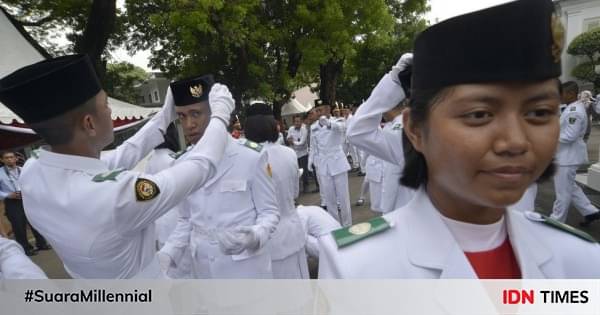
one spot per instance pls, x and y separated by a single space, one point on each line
18 50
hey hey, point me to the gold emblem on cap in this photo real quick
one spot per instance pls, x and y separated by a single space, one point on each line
558 37
360 229
196 91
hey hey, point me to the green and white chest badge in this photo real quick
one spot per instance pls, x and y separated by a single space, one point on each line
538 217
352 234
572 120
110 175
253 145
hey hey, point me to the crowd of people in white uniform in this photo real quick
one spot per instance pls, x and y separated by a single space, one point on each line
451 149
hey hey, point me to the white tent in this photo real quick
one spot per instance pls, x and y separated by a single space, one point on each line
17 51
293 107
305 96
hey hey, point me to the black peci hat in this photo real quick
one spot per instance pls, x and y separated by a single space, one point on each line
192 90
50 88
520 40
259 108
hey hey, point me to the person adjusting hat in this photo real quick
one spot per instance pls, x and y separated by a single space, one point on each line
226 224
482 126
98 215
327 137
287 242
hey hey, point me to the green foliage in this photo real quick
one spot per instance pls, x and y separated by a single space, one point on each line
269 48
259 48
47 20
120 80
376 55
587 45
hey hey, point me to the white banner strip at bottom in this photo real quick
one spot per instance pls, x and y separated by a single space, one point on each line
300 297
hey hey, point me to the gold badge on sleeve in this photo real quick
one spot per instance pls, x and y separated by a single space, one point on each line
145 189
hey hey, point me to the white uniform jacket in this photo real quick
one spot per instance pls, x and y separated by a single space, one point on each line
240 194
289 236
299 140
364 129
14 264
328 141
98 216
419 245
393 194
572 150
159 160
313 150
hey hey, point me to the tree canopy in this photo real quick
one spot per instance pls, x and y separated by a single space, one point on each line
260 48
587 45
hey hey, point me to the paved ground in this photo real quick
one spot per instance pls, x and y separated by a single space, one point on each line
50 263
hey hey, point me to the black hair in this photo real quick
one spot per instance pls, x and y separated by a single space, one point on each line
171 139
261 128
60 130
415 165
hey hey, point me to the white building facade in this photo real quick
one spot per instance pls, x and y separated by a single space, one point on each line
578 16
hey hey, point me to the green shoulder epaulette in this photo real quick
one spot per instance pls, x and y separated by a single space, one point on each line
538 217
397 127
348 235
252 145
110 175
177 155
35 154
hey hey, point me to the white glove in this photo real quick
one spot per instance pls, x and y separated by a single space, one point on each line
405 61
221 103
234 242
167 113
164 261
324 122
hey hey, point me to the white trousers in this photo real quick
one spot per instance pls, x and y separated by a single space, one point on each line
319 177
375 189
335 189
567 190
355 157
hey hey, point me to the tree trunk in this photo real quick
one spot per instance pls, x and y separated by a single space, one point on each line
329 74
100 25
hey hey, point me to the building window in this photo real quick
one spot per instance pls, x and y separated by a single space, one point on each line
143 99
155 95
589 24
149 98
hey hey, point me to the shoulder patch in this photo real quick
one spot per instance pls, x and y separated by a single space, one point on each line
176 155
252 145
352 234
145 189
397 127
572 120
573 108
110 175
538 217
